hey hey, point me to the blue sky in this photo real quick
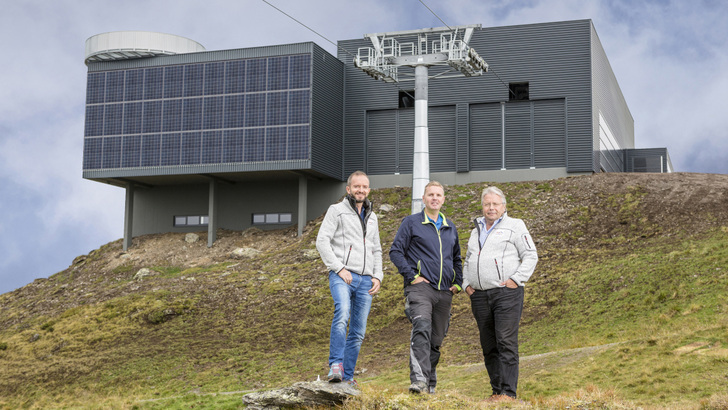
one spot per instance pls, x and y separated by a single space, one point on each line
670 58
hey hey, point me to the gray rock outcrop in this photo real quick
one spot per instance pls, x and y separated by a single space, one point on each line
245 252
318 393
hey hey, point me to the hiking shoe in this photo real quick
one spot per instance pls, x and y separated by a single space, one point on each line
335 373
500 398
352 383
432 390
418 387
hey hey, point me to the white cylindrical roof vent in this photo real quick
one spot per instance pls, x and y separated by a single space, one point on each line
122 45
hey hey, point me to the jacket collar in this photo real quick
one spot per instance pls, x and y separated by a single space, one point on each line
426 219
367 205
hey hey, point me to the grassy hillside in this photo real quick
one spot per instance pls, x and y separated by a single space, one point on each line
628 307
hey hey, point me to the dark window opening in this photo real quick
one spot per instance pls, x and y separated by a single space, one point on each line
518 92
406 98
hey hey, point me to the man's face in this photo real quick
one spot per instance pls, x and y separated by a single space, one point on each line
433 198
359 188
493 208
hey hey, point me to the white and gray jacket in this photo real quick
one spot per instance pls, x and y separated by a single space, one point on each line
508 253
346 241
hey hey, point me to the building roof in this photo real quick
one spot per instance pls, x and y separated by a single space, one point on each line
123 45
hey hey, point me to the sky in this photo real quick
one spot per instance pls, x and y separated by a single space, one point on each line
670 59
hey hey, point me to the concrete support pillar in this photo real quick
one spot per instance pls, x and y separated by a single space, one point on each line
128 216
302 203
212 214
421 156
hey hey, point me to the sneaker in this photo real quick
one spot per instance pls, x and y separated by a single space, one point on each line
418 387
352 383
335 373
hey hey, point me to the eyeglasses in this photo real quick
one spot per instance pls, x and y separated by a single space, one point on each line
493 205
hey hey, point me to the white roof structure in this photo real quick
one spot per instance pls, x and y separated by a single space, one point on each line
123 45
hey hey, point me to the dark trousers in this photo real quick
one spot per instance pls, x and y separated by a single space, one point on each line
497 313
428 309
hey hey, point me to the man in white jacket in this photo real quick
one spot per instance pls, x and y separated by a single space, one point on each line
501 257
348 242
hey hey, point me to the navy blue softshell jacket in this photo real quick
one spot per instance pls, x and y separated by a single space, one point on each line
419 249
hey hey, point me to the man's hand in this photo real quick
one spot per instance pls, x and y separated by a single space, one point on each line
345 275
454 289
419 279
510 284
375 286
469 290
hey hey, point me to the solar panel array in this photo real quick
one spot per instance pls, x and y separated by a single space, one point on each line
236 111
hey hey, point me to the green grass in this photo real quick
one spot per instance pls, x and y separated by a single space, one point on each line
625 319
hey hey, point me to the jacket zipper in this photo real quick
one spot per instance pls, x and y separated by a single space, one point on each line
480 249
348 255
439 239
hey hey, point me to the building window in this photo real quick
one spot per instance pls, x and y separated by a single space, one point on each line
272 218
518 92
406 98
191 220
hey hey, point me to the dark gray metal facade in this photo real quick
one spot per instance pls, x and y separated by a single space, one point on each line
647 160
473 123
320 132
327 114
575 120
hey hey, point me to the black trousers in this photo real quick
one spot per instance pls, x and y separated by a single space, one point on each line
498 313
428 309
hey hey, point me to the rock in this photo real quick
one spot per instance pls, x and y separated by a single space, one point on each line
386 208
142 273
192 238
302 394
311 254
245 252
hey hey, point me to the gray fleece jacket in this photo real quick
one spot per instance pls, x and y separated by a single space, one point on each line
508 253
346 241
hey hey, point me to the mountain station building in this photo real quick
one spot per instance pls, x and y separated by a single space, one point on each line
267 136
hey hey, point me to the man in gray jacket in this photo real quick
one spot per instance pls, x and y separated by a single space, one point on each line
348 242
501 257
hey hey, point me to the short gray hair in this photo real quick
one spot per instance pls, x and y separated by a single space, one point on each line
356 174
493 190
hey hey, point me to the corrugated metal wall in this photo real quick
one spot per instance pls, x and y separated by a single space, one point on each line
327 114
554 58
647 160
486 133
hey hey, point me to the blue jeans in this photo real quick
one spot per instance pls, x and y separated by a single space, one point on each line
351 306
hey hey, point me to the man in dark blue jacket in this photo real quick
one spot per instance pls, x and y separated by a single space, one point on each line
426 251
